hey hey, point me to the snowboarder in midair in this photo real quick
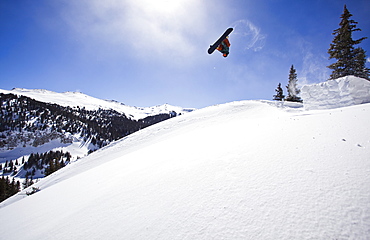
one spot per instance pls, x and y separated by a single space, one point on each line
222 44
224 47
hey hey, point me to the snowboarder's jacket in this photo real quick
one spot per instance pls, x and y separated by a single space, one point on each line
224 47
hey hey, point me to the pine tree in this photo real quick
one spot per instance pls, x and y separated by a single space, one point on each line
2 189
292 88
7 188
350 60
51 168
25 182
360 64
279 93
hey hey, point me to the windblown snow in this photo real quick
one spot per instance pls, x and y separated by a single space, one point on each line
241 170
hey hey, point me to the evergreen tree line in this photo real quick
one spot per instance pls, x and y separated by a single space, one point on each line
49 162
292 89
350 60
8 188
10 166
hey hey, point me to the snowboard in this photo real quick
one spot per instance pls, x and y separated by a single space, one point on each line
213 47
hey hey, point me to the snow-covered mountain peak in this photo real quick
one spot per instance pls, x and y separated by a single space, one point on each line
78 99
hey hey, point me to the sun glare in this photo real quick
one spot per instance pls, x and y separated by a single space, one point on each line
161 6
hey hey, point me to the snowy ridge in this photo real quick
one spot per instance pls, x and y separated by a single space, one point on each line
77 99
242 170
341 92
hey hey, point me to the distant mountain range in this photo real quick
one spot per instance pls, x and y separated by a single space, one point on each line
77 99
36 125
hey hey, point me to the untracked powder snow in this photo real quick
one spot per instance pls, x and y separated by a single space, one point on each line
241 170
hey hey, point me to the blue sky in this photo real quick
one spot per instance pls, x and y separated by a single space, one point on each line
145 52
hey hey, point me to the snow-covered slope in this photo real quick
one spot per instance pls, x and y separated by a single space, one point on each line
341 92
242 170
74 99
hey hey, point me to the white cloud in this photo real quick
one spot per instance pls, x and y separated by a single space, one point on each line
144 28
